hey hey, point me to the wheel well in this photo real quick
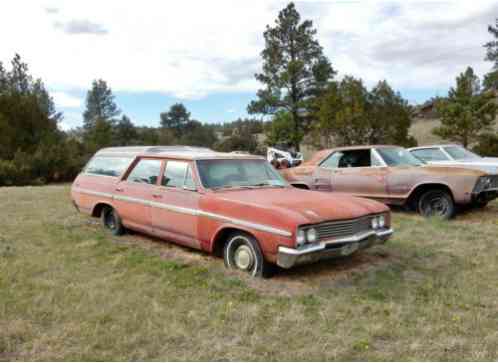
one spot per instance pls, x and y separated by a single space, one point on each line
221 239
421 189
97 210
300 186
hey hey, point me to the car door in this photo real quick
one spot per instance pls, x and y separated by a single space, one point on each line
358 172
133 194
176 204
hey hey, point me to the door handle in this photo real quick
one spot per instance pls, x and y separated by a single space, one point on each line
119 189
158 196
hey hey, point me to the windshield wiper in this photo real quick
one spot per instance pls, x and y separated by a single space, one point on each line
267 185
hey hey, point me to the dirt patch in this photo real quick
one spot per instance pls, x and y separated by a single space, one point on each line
300 280
333 273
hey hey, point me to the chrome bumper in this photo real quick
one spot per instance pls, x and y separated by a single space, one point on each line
288 257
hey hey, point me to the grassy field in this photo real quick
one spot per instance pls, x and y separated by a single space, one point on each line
71 291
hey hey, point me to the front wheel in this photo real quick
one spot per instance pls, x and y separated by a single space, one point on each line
112 221
242 252
436 203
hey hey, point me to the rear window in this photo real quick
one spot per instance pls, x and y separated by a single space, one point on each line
108 165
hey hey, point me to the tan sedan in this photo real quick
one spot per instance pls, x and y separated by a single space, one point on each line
392 175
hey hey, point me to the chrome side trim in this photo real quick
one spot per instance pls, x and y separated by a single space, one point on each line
174 208
194 212
92 192
261 227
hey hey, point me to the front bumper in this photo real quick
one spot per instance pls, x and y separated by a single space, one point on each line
288 257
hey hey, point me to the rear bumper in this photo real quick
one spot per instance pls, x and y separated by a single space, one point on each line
289 257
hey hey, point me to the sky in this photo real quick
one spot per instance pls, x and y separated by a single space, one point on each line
205 53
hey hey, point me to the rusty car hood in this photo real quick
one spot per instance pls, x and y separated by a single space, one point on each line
313 206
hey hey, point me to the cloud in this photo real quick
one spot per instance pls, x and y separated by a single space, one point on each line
167 47
81 26
64 100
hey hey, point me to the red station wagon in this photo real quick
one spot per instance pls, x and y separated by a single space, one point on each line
235 206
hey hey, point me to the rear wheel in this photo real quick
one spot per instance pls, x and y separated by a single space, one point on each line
436 203
242 252
112 221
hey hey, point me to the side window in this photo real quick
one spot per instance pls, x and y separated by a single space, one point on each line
332 161
355 159
175 174
146 171
109 166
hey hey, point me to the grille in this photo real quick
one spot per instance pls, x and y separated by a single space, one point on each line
338 229
481 187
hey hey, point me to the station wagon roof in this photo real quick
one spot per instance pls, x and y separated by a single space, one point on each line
178 151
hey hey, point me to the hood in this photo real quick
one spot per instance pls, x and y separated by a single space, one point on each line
313 206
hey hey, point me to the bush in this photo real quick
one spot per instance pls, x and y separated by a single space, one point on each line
487 145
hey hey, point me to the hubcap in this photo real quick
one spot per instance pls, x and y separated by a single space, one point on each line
243 257
437 206
110 220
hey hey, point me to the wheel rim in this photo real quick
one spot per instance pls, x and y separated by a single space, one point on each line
243 258
110 221
436 206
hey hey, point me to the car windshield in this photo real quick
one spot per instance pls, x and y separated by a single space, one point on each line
238 173
397 156
460 153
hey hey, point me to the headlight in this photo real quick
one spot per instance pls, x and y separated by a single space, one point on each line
382 221
300 237
375 223
311 235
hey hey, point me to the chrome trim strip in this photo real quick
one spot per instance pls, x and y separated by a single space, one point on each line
194 212
132 200
92 192
174 208
261 227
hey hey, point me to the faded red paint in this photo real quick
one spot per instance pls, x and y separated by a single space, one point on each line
279 208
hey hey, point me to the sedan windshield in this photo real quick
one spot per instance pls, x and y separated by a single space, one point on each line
460 153
397 156
238 173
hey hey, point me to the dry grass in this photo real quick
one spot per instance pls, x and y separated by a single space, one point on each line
70 291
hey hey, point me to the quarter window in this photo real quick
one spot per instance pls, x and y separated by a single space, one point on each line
429 154
146 171
108 166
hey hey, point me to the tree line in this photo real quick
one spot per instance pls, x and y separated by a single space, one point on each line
301 100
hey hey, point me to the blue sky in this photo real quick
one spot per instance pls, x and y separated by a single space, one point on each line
156 53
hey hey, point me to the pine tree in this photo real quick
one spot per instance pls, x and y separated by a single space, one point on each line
467 112
100 105
295 70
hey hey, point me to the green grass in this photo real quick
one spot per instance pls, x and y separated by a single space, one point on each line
71 291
